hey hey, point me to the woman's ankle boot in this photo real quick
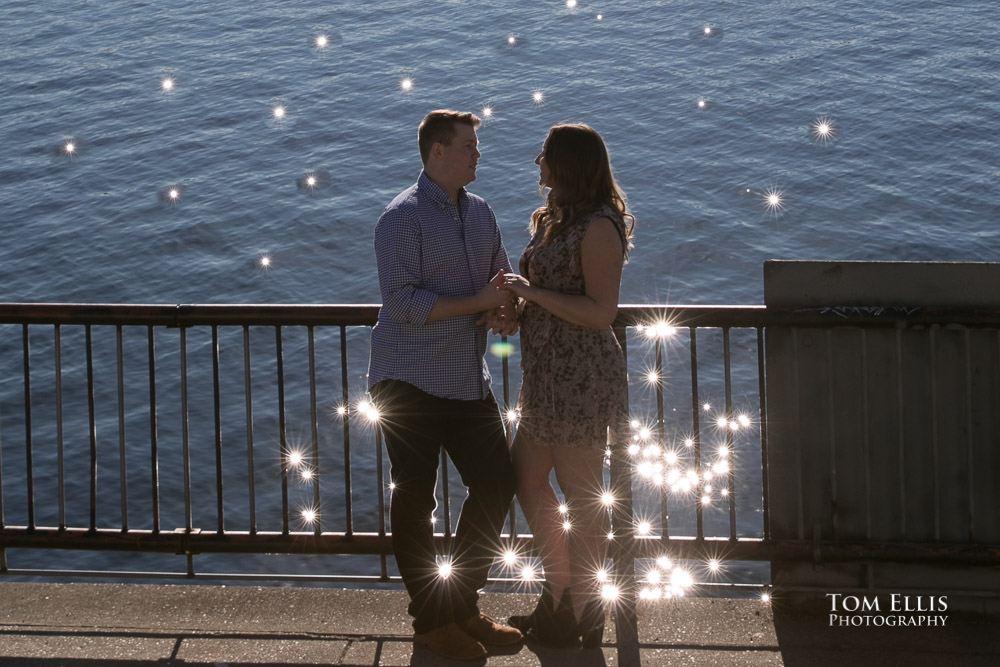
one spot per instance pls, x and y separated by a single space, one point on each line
526 623
554 624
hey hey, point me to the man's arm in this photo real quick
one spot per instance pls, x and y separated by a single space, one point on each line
488 298
397 254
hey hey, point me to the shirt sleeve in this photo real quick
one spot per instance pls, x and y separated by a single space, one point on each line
397 254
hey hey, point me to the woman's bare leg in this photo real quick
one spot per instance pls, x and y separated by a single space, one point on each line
580 473
532 465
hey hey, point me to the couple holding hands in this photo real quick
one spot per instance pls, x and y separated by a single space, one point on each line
445 279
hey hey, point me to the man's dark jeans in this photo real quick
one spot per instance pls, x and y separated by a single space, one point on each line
415 426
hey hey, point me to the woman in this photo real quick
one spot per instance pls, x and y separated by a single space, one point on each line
574 376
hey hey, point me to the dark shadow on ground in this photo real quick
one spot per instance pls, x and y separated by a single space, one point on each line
810 635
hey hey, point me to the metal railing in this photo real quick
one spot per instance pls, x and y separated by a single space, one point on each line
249 475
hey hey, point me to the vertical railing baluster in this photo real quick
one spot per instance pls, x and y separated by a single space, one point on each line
935 455
217 401
60 435
153 444
93 428
314 422
730 444
185 436
348 503
762 396
123 468
696 429
2 551
797 428
383 561
969 435
509 423
28 448
865 438
282 435
447 498
248 392
900 437
832 430
661 433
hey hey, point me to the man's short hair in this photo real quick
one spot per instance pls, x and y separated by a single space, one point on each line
439 127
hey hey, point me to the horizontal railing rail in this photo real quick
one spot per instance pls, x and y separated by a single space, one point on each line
691 481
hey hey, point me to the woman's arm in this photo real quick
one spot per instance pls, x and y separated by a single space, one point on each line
601 259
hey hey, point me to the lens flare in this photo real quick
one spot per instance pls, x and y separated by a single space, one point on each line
406 84
774 200
823 130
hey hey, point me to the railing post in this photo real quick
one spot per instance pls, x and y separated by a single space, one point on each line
623 534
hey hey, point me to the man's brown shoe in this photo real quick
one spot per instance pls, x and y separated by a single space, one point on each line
449 641
488 631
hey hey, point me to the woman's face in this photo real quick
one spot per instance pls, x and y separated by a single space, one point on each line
543 168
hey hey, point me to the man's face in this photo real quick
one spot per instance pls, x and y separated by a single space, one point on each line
460 158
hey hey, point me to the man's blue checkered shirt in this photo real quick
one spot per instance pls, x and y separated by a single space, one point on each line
425 247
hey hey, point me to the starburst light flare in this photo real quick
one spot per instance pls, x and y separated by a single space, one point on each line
538 97
322 41
264 262
167 84
444 569
279 112
69 148
308 515
774 200
571 4
823 130
406 84
659 330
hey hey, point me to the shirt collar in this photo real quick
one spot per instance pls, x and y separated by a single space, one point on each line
437 195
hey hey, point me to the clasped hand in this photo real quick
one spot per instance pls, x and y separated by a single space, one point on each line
501 317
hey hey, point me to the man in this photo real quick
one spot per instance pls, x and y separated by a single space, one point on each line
440 259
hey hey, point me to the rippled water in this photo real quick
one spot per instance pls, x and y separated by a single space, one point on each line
910 171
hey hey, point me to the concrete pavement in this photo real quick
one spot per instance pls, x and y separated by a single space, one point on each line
108 625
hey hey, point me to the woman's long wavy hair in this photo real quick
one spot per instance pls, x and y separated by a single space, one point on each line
581 182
